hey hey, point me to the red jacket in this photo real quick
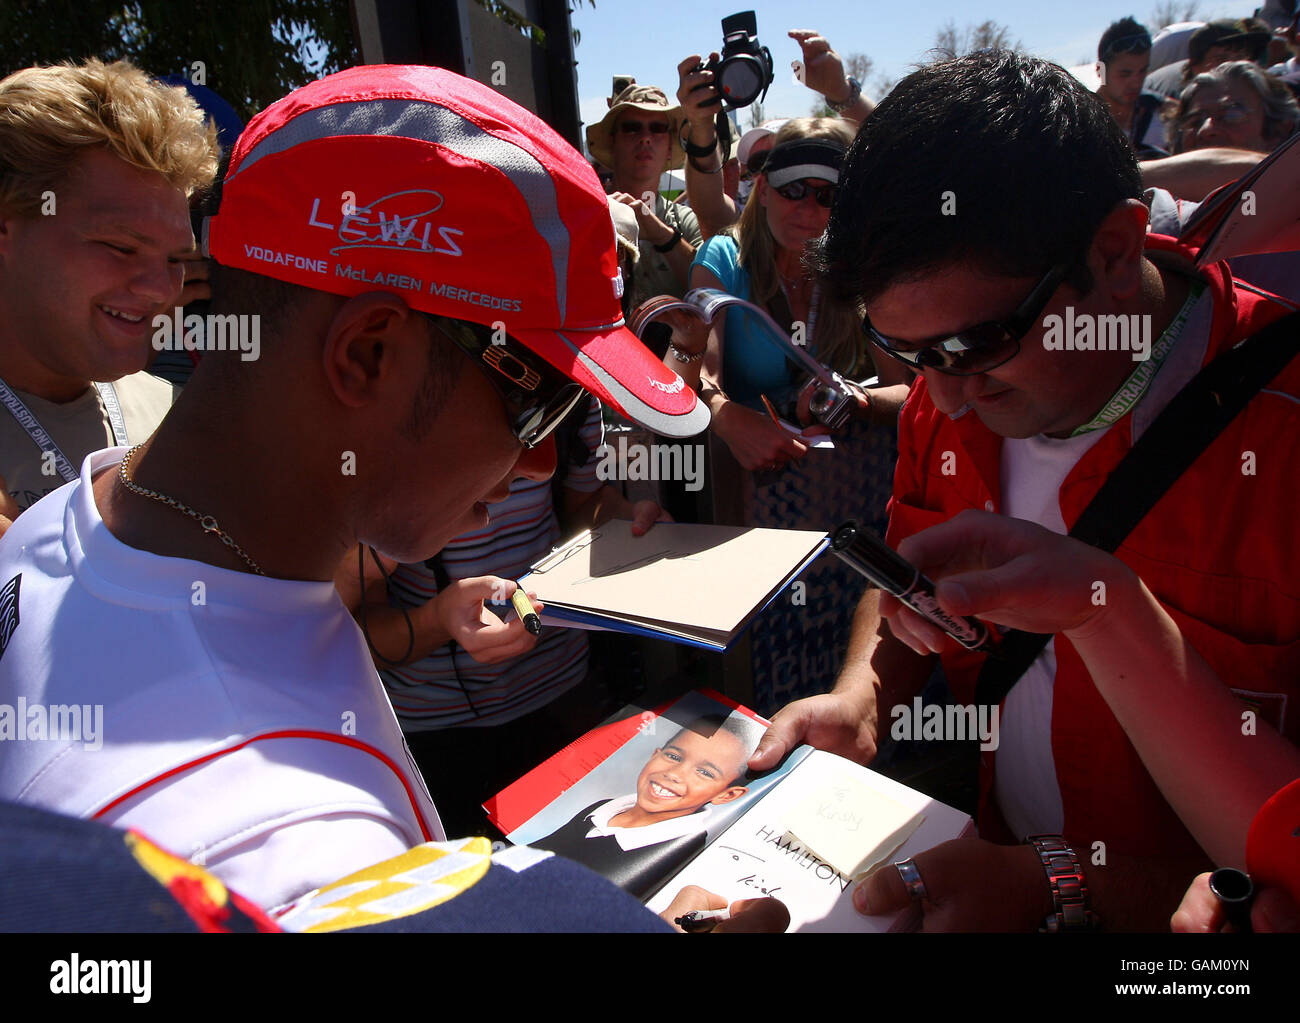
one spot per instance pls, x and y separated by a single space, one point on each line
1219 551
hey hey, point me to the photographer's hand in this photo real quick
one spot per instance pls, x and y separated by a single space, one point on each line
823 72
698 97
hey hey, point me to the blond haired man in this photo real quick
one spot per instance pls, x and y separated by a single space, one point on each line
97 164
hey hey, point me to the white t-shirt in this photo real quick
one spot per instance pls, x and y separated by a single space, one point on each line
1033 471
181 660
1029 797
78 427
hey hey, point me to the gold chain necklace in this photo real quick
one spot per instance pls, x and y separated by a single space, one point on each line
208 523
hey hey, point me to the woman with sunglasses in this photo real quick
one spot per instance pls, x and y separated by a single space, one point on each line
761 259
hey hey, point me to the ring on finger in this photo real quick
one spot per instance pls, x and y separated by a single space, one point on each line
912 879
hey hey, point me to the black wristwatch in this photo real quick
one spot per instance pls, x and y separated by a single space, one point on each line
691 148
671 243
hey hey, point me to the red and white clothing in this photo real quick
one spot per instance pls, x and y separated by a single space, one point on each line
244 725
1220 551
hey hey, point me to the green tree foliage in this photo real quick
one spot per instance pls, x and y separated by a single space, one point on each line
251 53
503 11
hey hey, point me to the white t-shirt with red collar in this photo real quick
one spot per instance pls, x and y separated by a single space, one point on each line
240 718
1033 471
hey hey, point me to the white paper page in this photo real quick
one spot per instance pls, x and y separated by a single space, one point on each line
754 857
851 825
816 441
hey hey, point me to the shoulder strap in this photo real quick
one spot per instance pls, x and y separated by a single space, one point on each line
1184 429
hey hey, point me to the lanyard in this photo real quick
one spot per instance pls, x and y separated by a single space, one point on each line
788 312
25 419
1131 390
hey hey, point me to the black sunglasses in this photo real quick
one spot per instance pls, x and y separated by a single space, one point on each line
537 395
756 163
797 190
636 127
976 349
1230 112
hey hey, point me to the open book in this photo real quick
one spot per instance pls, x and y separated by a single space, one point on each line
690 583
658 800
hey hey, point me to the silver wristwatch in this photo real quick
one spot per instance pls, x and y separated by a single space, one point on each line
1069 889
855 90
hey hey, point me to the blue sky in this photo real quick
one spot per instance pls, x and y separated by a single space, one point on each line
648 39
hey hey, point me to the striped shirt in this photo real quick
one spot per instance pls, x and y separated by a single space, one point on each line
427 694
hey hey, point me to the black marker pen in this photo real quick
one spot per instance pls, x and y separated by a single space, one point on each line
699 921
866 552
1235 892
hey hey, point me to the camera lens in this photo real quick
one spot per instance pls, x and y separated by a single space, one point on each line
820 400
740 82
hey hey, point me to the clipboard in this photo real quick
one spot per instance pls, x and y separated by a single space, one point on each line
700 585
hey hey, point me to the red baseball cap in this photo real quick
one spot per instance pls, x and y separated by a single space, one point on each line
425 183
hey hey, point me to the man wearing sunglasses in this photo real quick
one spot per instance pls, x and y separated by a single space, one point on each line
1043 222
638 139
467 687
185 586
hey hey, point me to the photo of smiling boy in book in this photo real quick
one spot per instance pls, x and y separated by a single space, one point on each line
639 840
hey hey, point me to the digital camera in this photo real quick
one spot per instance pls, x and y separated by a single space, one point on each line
832 399
744 71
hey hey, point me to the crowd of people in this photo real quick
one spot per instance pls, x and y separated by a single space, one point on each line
277 576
